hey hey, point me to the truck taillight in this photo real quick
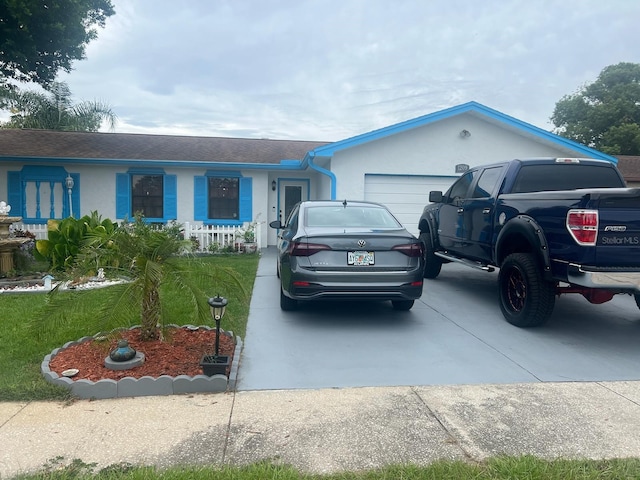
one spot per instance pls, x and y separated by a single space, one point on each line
583 226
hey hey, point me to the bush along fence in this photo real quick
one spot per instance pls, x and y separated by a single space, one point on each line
205 238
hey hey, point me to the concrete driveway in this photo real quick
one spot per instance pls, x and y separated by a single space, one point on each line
455 334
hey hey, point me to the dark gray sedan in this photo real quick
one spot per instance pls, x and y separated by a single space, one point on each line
347 251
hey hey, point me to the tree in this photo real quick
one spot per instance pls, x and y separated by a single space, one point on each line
54 110
38 38
605 114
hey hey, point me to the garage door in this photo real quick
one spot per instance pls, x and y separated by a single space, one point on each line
404 195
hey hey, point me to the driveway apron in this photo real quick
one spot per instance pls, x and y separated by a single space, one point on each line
455 334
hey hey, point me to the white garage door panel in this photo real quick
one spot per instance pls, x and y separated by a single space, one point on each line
404 195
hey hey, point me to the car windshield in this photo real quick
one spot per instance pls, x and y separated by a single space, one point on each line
350 216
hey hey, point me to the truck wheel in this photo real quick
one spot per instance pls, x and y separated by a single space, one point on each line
287 304
432 263
526 299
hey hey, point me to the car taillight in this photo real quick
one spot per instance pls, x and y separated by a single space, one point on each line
304 249
583 226
409 249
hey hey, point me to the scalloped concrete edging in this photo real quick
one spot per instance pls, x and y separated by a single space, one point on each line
145 386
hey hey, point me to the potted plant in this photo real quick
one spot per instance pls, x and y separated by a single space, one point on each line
249 237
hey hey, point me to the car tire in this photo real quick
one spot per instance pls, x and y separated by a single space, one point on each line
432 263
526 299
637 295
287 304
402 305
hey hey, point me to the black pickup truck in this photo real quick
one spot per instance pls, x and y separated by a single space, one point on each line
551 225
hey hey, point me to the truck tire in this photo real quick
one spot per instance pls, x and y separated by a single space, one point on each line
526 299
432 263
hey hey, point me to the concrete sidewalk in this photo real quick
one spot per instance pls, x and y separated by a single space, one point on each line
328 430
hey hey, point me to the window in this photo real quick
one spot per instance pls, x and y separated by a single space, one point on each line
461 187
487 182
147 195
149 191
222 198
39 193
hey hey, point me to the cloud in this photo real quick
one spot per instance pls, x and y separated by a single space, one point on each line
331 69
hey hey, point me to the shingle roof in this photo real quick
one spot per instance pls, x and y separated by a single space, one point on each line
126 146
629 166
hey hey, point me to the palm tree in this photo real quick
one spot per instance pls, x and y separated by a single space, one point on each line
146 256
54 110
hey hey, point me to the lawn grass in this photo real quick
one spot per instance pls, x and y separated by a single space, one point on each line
23 344
500 468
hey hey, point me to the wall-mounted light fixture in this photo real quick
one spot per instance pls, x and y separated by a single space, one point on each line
273 185
465 134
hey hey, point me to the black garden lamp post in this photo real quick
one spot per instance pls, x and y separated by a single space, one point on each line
216 364
218 305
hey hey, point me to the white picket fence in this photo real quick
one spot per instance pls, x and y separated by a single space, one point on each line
209 238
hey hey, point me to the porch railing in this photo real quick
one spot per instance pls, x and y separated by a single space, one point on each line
207 238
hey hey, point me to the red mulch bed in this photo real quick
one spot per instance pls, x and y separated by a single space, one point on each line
178 354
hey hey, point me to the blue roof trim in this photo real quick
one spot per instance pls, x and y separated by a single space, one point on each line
473 107
287 165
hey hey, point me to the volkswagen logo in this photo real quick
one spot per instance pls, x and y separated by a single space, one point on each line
361 243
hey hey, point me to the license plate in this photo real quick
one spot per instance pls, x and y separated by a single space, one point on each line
360 258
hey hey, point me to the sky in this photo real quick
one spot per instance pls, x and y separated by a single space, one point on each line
327 70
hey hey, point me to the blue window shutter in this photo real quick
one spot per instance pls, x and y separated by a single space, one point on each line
14 193
200 207
170 197
123 196
246 199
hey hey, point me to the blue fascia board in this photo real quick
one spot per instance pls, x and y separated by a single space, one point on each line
285 165
328 151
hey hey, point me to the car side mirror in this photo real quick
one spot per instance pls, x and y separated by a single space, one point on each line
435 196
276 224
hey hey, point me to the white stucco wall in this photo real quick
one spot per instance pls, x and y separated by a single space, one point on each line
433 150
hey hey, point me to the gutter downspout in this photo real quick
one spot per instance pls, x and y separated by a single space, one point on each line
324 171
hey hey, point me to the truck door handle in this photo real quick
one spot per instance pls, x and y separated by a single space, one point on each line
486 211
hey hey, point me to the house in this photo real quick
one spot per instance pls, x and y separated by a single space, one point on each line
232 181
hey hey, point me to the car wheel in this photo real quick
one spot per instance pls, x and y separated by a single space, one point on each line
432 263
526 299
287 304
402 305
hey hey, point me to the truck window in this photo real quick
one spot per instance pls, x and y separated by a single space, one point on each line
460 189
487 182
551 177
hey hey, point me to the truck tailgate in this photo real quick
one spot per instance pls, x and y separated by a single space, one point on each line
618 242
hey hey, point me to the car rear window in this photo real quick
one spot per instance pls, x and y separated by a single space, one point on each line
540 178
350 216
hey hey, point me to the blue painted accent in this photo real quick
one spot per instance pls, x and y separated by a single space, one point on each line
200 206
123 195
15 193
470 107
170 197
293 163
42 175
246 199
201 198
332 176
169 200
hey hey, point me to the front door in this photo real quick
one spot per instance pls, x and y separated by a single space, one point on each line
291 192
